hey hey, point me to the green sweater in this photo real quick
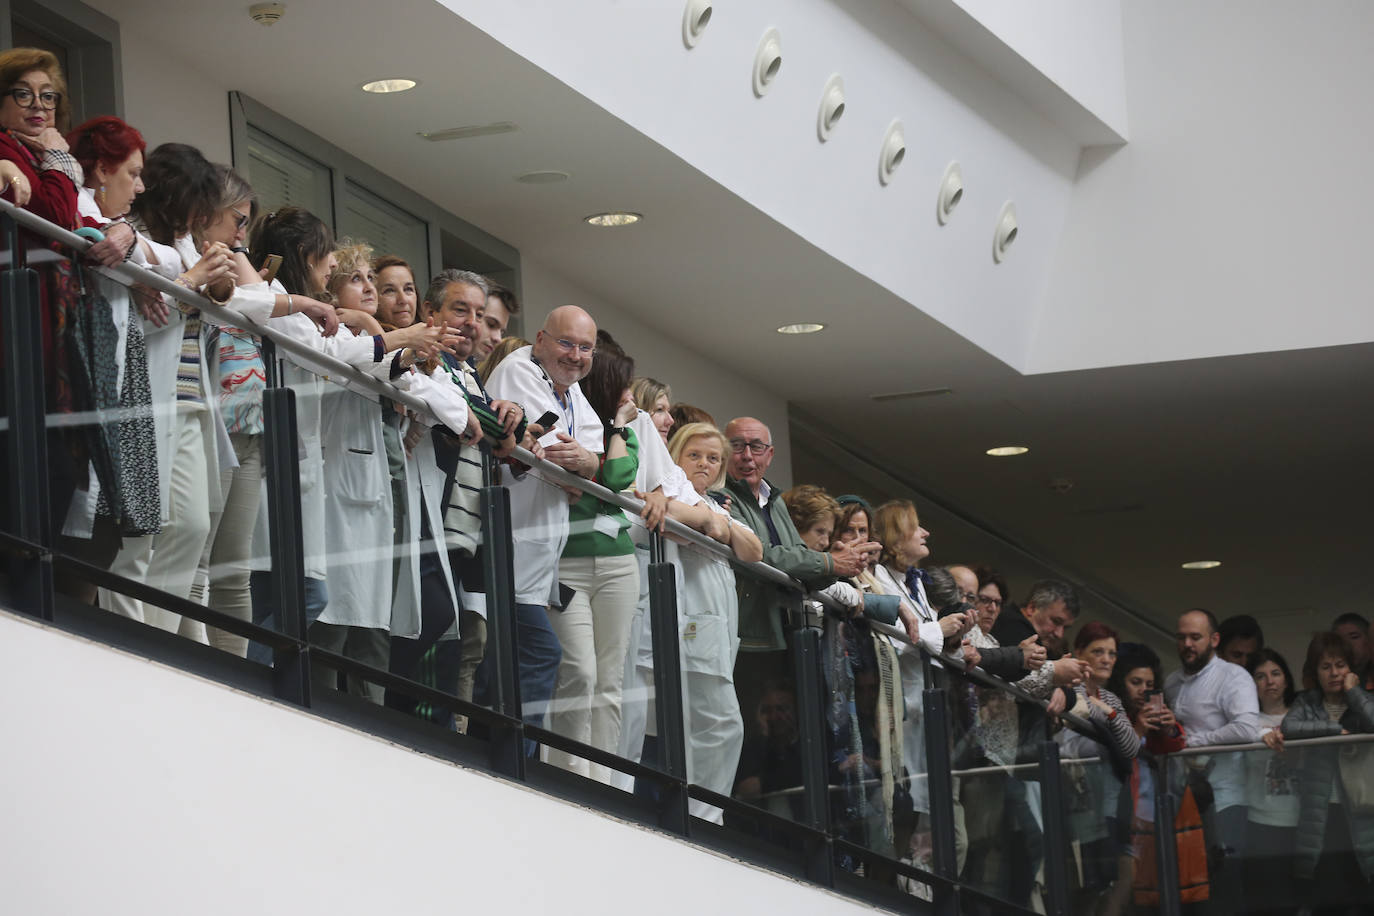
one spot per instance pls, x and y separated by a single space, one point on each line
762 605
583 538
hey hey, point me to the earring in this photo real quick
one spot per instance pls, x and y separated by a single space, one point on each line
102 193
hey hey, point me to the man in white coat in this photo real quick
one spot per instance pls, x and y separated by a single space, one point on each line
543 378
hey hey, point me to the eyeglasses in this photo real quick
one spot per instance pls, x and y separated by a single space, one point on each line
970 597
755 446
568 346
24 98
240 219
983 601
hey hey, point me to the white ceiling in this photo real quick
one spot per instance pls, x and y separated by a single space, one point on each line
1259 461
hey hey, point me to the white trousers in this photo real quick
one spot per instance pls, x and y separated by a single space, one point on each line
715 737
594 630
225 559
169 559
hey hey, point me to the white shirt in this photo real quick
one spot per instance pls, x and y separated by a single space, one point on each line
1218 705
539 508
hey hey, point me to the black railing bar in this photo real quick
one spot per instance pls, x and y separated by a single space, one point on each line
906 869
413 689
132 273
748 809
13 543
597 755
999 905
185 607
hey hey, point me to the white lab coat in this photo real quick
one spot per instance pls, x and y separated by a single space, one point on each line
424 493
539 509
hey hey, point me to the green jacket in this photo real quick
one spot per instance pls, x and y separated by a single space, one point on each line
584 540
763 605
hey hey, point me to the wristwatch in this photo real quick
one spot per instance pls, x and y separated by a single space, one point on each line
621 431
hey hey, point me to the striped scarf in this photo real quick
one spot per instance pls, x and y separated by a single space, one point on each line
188 368
462 500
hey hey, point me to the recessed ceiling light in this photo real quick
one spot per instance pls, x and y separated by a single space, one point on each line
1007 451
543 176
804 327
384 86
613 218
1202 564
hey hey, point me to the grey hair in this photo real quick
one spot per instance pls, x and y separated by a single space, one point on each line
446 278
943 591
233 187
1048 591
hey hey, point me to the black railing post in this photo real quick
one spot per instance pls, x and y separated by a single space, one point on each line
940 788
669 696
1052 807
507 743
806 673
26 439
282 468
1166 845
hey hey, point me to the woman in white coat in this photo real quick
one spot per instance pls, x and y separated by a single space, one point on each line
709 616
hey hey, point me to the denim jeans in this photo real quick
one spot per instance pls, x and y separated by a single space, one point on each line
539 655
316 597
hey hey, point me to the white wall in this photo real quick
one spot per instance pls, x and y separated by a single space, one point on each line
717 389
630 60
127 791
1076 43
1237 219
167 99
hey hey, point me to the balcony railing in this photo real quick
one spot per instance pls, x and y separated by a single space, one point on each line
962 820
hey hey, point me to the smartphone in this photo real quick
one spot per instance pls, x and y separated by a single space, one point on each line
546 420
271 266
1155 700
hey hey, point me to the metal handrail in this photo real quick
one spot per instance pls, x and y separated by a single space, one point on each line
133 273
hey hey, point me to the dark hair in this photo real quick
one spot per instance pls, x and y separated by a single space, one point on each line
1351 617
1240 626
1048 591
1324 644
1091 632
847 512
986 576
1266 654
943 592
1129 657
683 414
507 298
1211 618
15 62
298 236
106 141
608 377
181 191
386 261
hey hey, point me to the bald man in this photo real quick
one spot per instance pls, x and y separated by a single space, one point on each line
543 379
757 503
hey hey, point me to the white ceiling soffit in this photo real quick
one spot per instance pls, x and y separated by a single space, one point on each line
1064 57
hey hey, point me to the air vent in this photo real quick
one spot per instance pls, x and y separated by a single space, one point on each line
904 395
465 133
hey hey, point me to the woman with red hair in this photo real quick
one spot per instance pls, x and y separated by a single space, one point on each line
110 154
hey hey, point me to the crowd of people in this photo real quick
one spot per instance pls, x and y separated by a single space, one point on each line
167 488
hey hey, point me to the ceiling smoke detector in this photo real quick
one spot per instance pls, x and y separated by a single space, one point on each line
267 13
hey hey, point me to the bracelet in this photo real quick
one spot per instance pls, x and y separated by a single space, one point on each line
289 304
182 281
208 295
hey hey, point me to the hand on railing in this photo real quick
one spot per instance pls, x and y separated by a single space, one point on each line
325 316
215 265
656 512
851 559
110 250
